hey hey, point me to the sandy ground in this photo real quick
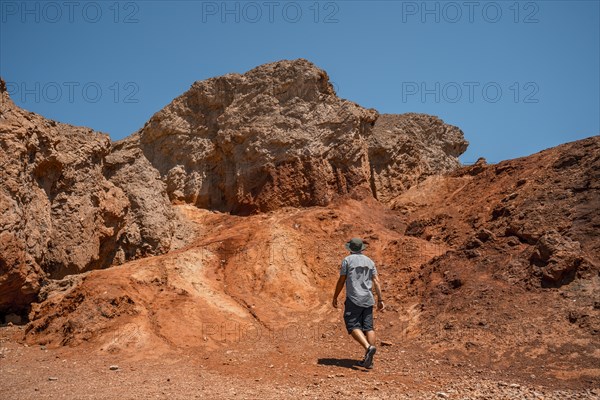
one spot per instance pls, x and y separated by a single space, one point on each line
271 368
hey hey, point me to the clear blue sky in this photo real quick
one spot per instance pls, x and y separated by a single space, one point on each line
516 77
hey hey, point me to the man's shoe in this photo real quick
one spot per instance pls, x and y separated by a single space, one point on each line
368 361
361 363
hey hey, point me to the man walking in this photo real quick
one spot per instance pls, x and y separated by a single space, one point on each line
359 274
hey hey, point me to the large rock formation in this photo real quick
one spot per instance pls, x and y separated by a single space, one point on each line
60 214
275 136
279 136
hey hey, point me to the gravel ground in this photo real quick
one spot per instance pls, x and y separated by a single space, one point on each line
35 372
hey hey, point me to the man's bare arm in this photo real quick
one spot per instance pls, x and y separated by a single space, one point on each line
338 288
377 285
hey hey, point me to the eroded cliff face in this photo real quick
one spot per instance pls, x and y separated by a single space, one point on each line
60 213
279 136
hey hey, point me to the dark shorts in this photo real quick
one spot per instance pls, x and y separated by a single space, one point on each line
357 317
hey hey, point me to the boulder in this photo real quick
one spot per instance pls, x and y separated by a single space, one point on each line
558 257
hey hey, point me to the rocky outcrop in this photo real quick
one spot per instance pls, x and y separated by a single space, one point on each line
60 214
558 257
279 136
275 136
405 149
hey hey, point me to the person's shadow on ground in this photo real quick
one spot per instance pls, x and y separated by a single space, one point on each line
339 362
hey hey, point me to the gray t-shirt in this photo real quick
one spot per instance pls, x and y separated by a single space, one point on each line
359 270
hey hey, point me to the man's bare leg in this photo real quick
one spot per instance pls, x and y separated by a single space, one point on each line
360 337
369 345
370 337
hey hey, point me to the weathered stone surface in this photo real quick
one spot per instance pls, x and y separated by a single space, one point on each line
405 149
60 215
558 257
149 225
279 136
20 276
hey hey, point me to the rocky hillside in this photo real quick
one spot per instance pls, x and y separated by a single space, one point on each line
470 282
276 136
519 282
